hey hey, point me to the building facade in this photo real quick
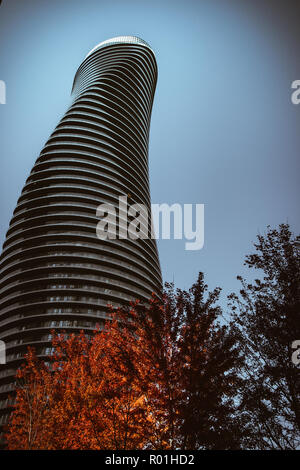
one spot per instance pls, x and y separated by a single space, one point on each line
55 272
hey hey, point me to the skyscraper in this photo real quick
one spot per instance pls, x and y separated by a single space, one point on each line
55 272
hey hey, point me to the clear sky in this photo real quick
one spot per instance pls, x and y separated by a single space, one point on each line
224 131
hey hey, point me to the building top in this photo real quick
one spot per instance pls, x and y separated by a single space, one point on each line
120 39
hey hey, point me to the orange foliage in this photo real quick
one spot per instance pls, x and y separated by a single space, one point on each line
101 392
160 376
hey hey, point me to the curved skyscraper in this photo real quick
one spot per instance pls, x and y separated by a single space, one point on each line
55 272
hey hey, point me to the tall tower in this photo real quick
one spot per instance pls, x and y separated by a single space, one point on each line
55 272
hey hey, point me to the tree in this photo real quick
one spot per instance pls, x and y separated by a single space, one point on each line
209 373
196 361
267 321
91 396
159 376
29 425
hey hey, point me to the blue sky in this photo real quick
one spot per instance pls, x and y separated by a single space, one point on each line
224 132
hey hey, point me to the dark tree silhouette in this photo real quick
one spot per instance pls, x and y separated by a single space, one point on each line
266 315
208 373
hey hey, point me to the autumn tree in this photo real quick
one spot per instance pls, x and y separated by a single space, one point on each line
159 376
29 424
88 396
266 314
195 363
